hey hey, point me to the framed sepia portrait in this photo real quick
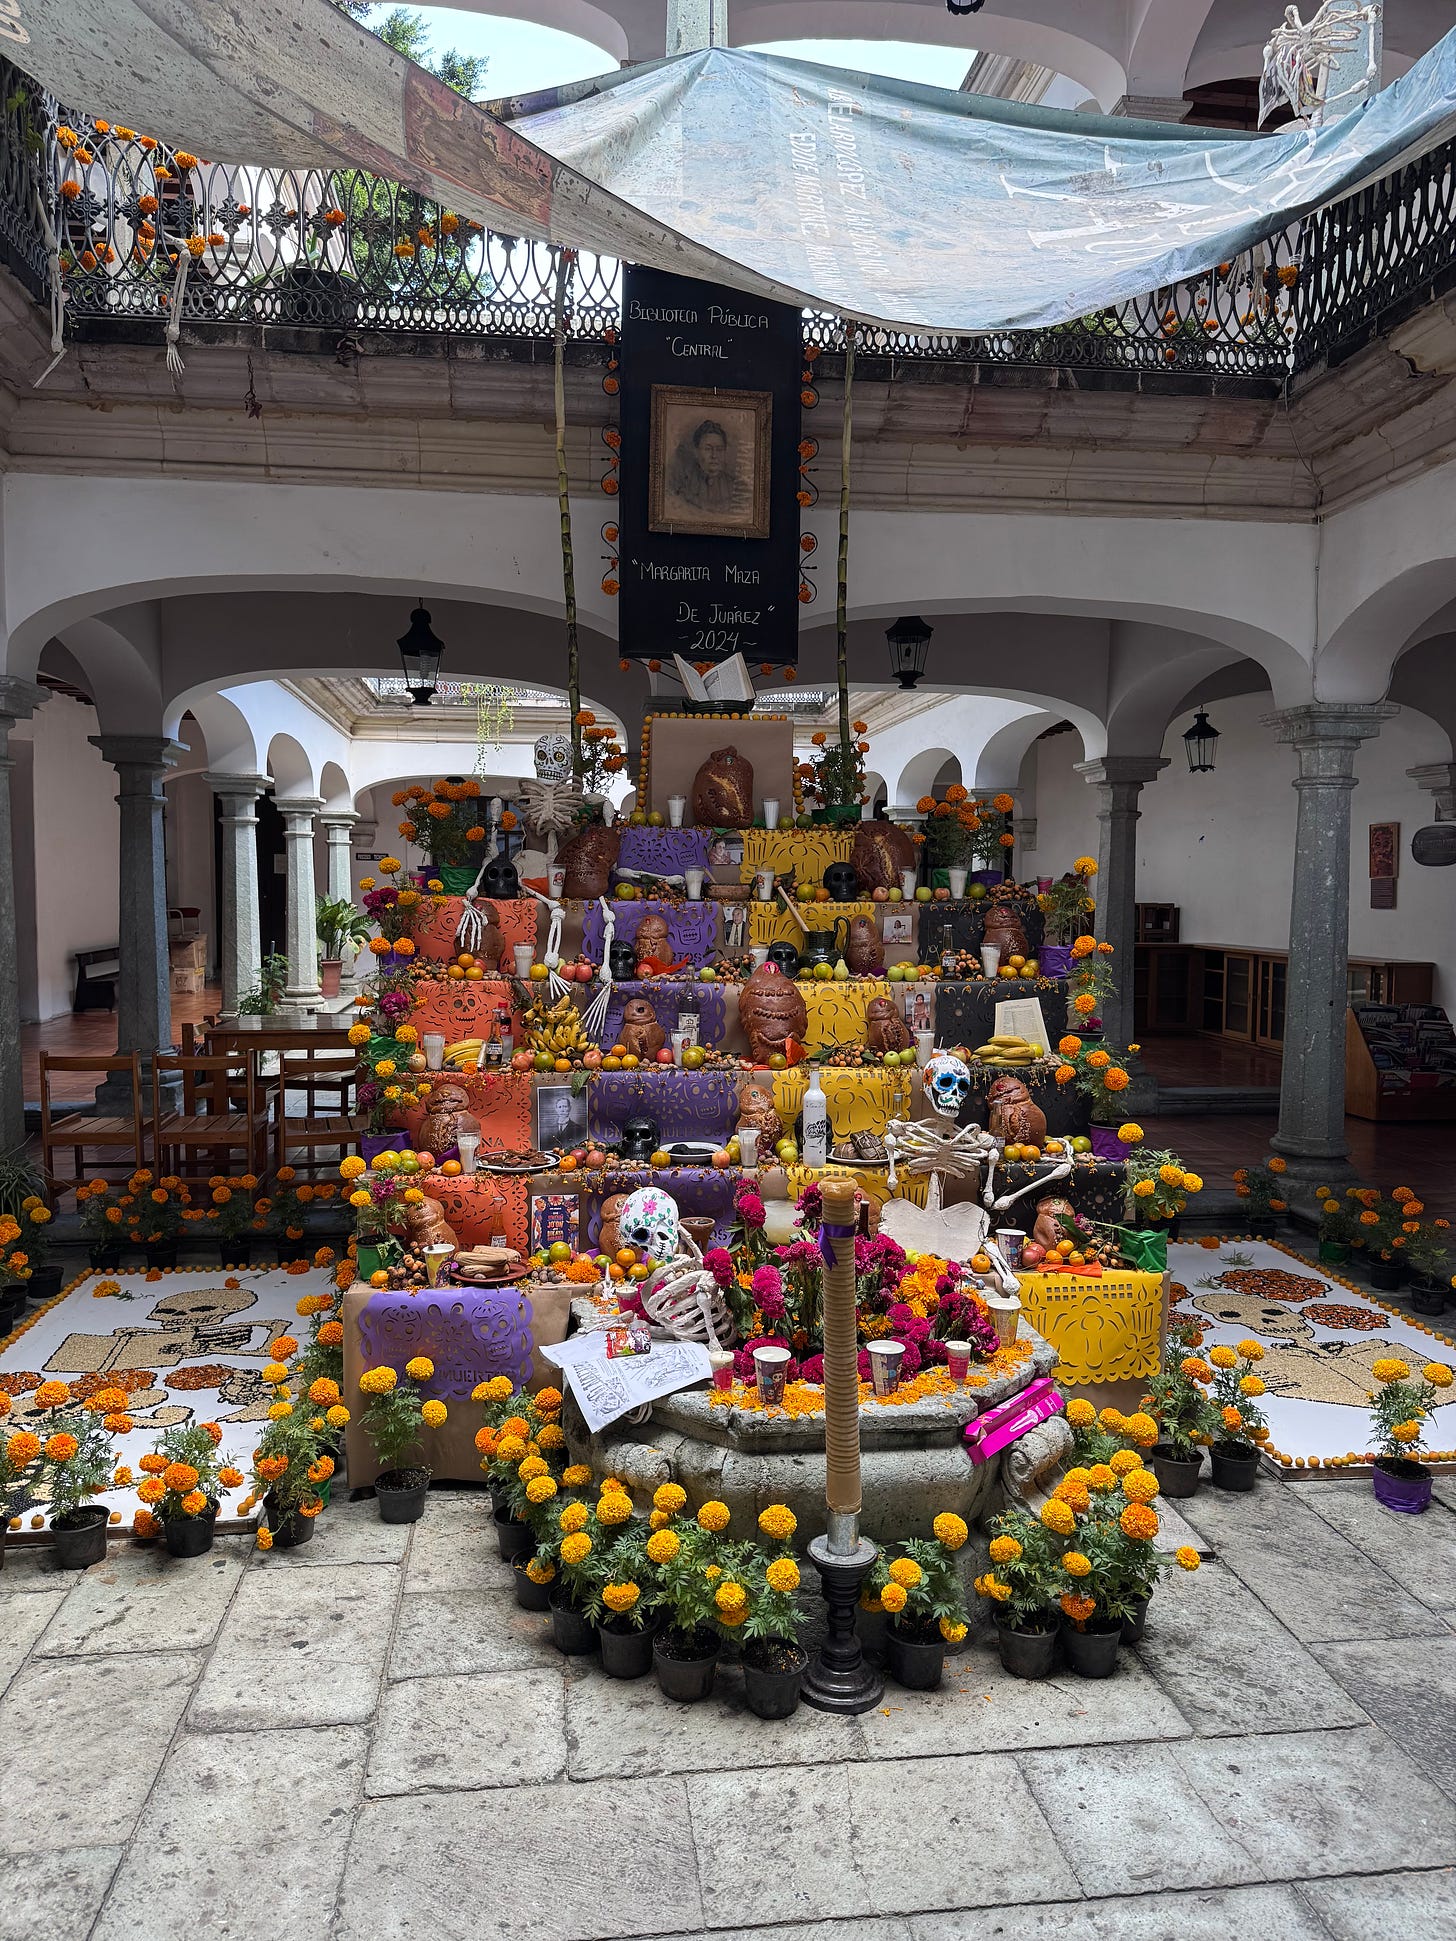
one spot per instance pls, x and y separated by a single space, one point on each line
708 464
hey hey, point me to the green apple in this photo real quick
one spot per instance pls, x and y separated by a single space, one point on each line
892 1058
707 975
922 894
895 974
976 892
1081 1143
787 1151
897 895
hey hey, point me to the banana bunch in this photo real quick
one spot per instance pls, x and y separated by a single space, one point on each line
464 1054
556 1028
1006 1052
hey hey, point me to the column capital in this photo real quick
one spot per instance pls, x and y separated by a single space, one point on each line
156 752
251 786
1113 769
1438 779
1331 723
19 700
295 809
338 822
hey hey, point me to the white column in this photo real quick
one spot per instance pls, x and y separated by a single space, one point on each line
694 24
240 948
339 834
1119 781
301 992
18 701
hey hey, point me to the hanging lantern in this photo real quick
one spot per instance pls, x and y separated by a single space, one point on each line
909 643
964 6
420 652
1200 744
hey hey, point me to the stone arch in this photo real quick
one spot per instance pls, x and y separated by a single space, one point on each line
224 741
335 788
1001 760
1357 661
918 776
292 769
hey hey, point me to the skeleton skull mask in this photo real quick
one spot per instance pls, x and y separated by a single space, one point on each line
553 756
947 1081
648 1222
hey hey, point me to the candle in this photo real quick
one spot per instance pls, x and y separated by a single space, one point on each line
841 1368
722 1367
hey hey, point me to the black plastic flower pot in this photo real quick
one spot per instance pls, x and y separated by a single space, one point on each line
530 1595
105 1260
1177 1475
235 1253
626 1647
401 1493
43 1285
1427 1294
1135 1622
1234 1465
12 1306
773 1671
513 1537
1386 1275
572 1631
916 1663
289 1529
1027 1653
162 1256
1092 1653
80 1537
190 1536
685 1666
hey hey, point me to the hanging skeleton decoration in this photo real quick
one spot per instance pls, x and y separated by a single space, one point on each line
1332 57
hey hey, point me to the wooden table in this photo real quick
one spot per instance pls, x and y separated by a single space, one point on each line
300 1031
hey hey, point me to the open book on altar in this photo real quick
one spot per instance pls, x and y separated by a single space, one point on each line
730 680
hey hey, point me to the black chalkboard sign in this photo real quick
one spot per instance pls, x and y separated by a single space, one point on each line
709 516
1435 845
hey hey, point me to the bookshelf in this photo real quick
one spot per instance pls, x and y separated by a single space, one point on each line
1400 1062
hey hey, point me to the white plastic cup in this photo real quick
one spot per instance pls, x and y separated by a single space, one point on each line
467 1145
771 1366
763 885
436 1254
433 1044
924 1046
885 1359
679 1039
758 953
693 880
958 1359
1005 1312
555 881
770 812
957 878
722 1367
676 809
525 956
990 958
907 884
1011 1240
747 1147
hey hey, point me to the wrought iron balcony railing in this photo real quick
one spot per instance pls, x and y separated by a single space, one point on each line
342 253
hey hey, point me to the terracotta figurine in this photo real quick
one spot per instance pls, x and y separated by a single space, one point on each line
426 1226
885 1029
608 1240
447 1115
863 950
723 791
653 942
1004 930
757 1113
773 1014
1015 1116
642 1035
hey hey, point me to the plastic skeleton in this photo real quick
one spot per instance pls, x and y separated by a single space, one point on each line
1302 59
470 931
941 1148
594 1018
680 1294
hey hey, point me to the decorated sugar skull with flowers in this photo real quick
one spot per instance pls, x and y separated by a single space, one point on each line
648 1222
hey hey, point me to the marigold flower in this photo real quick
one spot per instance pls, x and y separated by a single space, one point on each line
379 1381
620 1597
714 1516
540 1489
1058 1517
1139 1522
1222 1357
1141 1429
151 1489
663 1546
52 1395
1389 1368
1437 1374
419 1368
1186 1557
323 1391
576 1475
670 1497
576 1548
905 1570
1080 1413
614 1508
540 1570
1005 1550
892 1598
1124 1461
777 1521
573 1519
337 1417
950 1530
1102 1477
1140 1486
782 1575
433 1414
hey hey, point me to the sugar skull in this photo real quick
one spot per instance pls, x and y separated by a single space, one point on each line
553 756
648 1222
947 1081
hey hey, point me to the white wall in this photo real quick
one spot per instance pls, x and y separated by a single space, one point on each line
190 852
1221 846
68 843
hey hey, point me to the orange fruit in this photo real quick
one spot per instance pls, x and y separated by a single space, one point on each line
614 1272
454 972
630 1060
639 1272
562 1065
465 960
626 1257
660 1158
568 1165
473 973
981 1263
451 1168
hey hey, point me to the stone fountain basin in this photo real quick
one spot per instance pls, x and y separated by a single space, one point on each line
913 1459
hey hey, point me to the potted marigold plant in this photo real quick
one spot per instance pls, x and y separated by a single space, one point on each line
697 1591
290 1467
184 1478
1183 1412
1431 1280
774 1661
1261 1188
917 1585
231 1215
516 1426
103 1221
20 1456
394 1417
1021 1587
1104 1516
1399 1410
1388 1236
1342 1223
582 1535
76 1463
628 1587
444 820
1158 1185
1066 907
1234 1456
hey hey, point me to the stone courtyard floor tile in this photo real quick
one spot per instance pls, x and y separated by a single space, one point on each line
22 1620
1386 1907
347 1533
1276 1913
979 1708
626 1728
40 1902
1230 1665
454 1549
304 1647
69 1787
32 1567
1315 1582
143 1599
780 1846
453 1632
879 1928
941 1833
244 1836
1131 1825
1408 1686
552 1863
1304 1805
1419 1552
452 1734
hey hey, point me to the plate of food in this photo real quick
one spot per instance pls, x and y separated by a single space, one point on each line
509 1163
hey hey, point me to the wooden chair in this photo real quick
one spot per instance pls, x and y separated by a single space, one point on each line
312 1072
122 1133
225 1109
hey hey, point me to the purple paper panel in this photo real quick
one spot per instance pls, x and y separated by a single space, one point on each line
685 1105
663 852
667 1001
692 927
470 1333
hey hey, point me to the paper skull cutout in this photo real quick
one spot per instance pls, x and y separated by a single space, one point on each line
553 756
947 1082
648 1222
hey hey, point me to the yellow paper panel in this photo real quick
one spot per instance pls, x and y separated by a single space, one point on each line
771 923
1104 1330
870 1180
804 853
859 1101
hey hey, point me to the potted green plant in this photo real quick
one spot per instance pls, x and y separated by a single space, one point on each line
1021 1587
583 1535
1183 1412
1067 908
25 1208
1342 1225
1158 1185
1429 1260
183 1484
76 1463
263 998
1399 1409
916 1583
625 1605
1110 1564
340 927
1237 1386
103 1221
394 1418
696 1590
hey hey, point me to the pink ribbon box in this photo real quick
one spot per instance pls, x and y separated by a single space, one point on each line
999 1427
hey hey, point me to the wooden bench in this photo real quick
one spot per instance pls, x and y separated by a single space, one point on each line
96 975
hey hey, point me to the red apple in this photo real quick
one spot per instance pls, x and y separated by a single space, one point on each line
664 1057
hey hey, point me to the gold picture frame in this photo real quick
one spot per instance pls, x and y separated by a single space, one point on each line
709 462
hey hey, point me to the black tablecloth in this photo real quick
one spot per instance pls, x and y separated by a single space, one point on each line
965 1008
967 920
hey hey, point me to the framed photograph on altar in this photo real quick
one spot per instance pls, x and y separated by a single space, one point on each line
560 1116
708 462
897 926
915 1006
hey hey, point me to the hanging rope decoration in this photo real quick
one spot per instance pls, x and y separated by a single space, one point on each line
565 263
841 610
